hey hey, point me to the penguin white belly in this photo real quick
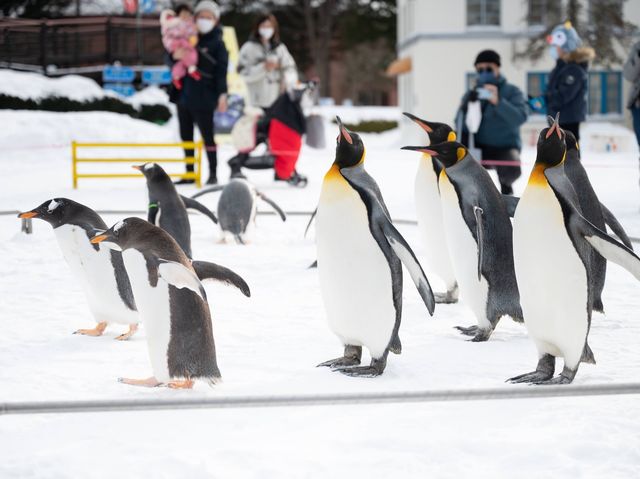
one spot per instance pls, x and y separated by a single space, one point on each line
463 251
154 309
551 276
431 223
95 272
355 277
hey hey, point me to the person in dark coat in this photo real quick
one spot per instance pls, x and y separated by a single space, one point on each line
198 99
568 83
504 109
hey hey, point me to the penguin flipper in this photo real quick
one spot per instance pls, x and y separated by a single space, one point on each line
273 204
477 212
207 270
403 251
196 205
211 189
152 212
511 202
313 216
179 276
615 226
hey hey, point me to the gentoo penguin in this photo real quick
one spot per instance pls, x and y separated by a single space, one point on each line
429 210
478 234
171 301
237 208
168 209
359 262
99 270
551 243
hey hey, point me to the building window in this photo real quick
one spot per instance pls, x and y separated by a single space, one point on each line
604 94
537 12
483 12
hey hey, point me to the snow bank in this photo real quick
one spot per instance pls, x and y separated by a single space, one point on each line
35 86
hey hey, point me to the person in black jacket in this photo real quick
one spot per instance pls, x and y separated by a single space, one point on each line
568 83
198 99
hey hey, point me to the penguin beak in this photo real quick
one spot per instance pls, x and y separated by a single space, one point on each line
344 132
554 127
29 214
421 123
138 167
99 239
422 149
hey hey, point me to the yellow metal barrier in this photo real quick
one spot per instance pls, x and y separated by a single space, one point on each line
196 160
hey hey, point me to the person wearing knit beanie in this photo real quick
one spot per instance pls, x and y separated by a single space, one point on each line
208 6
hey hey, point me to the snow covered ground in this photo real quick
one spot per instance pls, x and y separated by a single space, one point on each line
270 344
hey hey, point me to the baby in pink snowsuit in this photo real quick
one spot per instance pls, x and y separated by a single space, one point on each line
180 32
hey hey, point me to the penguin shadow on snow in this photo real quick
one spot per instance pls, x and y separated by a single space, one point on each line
237 208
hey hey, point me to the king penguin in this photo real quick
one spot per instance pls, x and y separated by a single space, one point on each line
99 270
172 304
168 209
479 237
359 262
551 246
429 210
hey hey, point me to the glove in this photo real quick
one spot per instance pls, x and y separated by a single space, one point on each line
473 95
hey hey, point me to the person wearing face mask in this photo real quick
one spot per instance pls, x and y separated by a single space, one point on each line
198 99
503 109
568 86
265 63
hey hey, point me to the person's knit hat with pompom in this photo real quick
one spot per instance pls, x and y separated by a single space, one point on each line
565 37
208 6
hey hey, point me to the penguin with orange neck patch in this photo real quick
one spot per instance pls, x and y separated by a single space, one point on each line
429 211
360 256
552 243
479 237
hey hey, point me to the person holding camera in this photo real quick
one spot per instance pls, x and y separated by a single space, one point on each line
501 109
631 73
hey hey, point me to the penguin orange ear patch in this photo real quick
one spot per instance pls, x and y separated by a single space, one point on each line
460 153
452 136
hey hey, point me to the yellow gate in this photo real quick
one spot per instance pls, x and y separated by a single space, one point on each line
190 160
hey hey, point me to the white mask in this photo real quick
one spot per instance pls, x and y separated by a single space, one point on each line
205 25
266 33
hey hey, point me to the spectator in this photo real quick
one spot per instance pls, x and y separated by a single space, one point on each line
632 74
198 99
504 109
567 87
265 63
180 31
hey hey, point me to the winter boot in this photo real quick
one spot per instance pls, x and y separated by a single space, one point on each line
236 163
177 82
195 74
296 179
263 162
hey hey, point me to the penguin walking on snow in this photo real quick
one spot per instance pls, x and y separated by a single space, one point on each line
237 208
551 246
99 270
172 304
359 262
479 236
429 210
168 209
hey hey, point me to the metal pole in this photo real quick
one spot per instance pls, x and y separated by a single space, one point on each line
515 392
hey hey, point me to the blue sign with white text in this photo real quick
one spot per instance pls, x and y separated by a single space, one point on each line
147 6
156 76
120 89
118 74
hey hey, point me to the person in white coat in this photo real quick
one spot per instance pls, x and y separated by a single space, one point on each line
265 63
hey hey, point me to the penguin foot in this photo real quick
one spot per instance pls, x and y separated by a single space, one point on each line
132 330
376 368
151 382
536 377
561 379
482 335
184 384
97 331
470 331
352 357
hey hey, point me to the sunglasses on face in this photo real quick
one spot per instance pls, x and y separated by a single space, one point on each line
484 70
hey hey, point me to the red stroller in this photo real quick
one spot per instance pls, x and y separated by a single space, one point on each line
281 129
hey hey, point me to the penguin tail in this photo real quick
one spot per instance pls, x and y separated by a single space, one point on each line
598 306
587 355
395 346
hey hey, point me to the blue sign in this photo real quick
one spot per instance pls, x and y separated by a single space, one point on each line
120 89
118 74
147 6
156 76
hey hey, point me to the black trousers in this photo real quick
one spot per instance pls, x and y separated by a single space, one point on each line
507 174
204 119
573 128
